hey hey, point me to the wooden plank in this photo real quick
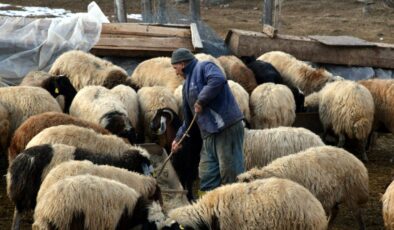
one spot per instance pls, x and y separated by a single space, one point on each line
144 30
108 51
341 40
144 42
244 43
196 40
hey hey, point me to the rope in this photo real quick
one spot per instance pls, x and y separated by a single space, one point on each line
180 141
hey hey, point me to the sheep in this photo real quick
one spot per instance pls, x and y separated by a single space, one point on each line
210 58
144 185
263 204
271 106
297 73
387 207
100 105
179 100
347 108
237 71
91 202
129 98
18 103
156 72
242 98
59 87
150 100
86 69
262 146
382 92
35 124
311 103
29 169
332 174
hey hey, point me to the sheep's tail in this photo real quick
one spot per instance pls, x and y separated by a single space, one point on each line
362 128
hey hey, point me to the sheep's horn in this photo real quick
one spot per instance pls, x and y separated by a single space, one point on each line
170 112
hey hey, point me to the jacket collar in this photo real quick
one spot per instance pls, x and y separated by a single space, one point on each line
189 67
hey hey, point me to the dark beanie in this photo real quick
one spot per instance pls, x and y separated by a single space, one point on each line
181 54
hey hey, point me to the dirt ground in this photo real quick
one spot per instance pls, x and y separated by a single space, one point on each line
298 17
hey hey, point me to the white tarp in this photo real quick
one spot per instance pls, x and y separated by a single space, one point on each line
27 44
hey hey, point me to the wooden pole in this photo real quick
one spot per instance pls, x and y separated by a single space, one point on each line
195 10
268 12
120 10
147 10
161 11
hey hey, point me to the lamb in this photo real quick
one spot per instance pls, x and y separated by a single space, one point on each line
347 108
262 204
237 71
242 98
29 169
382 92
297 73
35 124
144 185
86 69
91 202
332 174
156 72
265 145
100 105
271 106
19 103
59 87
152 99
387 209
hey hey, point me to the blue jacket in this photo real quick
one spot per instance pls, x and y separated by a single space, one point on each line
205 82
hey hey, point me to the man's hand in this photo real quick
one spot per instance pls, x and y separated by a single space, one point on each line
175 146
197 108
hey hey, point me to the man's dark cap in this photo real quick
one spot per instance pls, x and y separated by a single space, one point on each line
181 54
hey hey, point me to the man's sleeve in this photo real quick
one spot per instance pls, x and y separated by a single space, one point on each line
215 82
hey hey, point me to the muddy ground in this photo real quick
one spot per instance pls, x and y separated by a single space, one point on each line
298 17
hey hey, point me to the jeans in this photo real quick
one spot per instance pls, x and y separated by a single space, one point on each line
222 157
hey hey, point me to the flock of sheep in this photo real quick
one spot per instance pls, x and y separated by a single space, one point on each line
79 156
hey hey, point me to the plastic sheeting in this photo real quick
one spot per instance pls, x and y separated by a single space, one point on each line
27 44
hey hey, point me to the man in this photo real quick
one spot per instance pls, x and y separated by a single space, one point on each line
207 94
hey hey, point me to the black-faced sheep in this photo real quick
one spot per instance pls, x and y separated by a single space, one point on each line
297 73
264 72
156 72
382 92
86 69
18 103
262 204
59 87
271 105
238 72
242 98
333 176
265 145
150 100
144 185
100 105
35 124
387 209
347 108
91 202
29 168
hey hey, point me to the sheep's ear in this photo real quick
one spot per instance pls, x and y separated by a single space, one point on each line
169 112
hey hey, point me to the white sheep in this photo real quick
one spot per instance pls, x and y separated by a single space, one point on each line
347 108
387 207
18 103
156 72
265 145
86 69
241 97
272 105
152 99
178 94
333 175
100 105
144 185
129 97
297 73
92 202
263 204
210 58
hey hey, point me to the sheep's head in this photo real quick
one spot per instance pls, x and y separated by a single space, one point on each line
60 85
120 125
159 122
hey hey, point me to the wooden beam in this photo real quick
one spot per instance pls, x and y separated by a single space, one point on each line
147 14
244 43
194 8
161 11
196 40
145 42
144 30
120 10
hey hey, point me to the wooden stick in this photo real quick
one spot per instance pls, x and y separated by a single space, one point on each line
120 10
